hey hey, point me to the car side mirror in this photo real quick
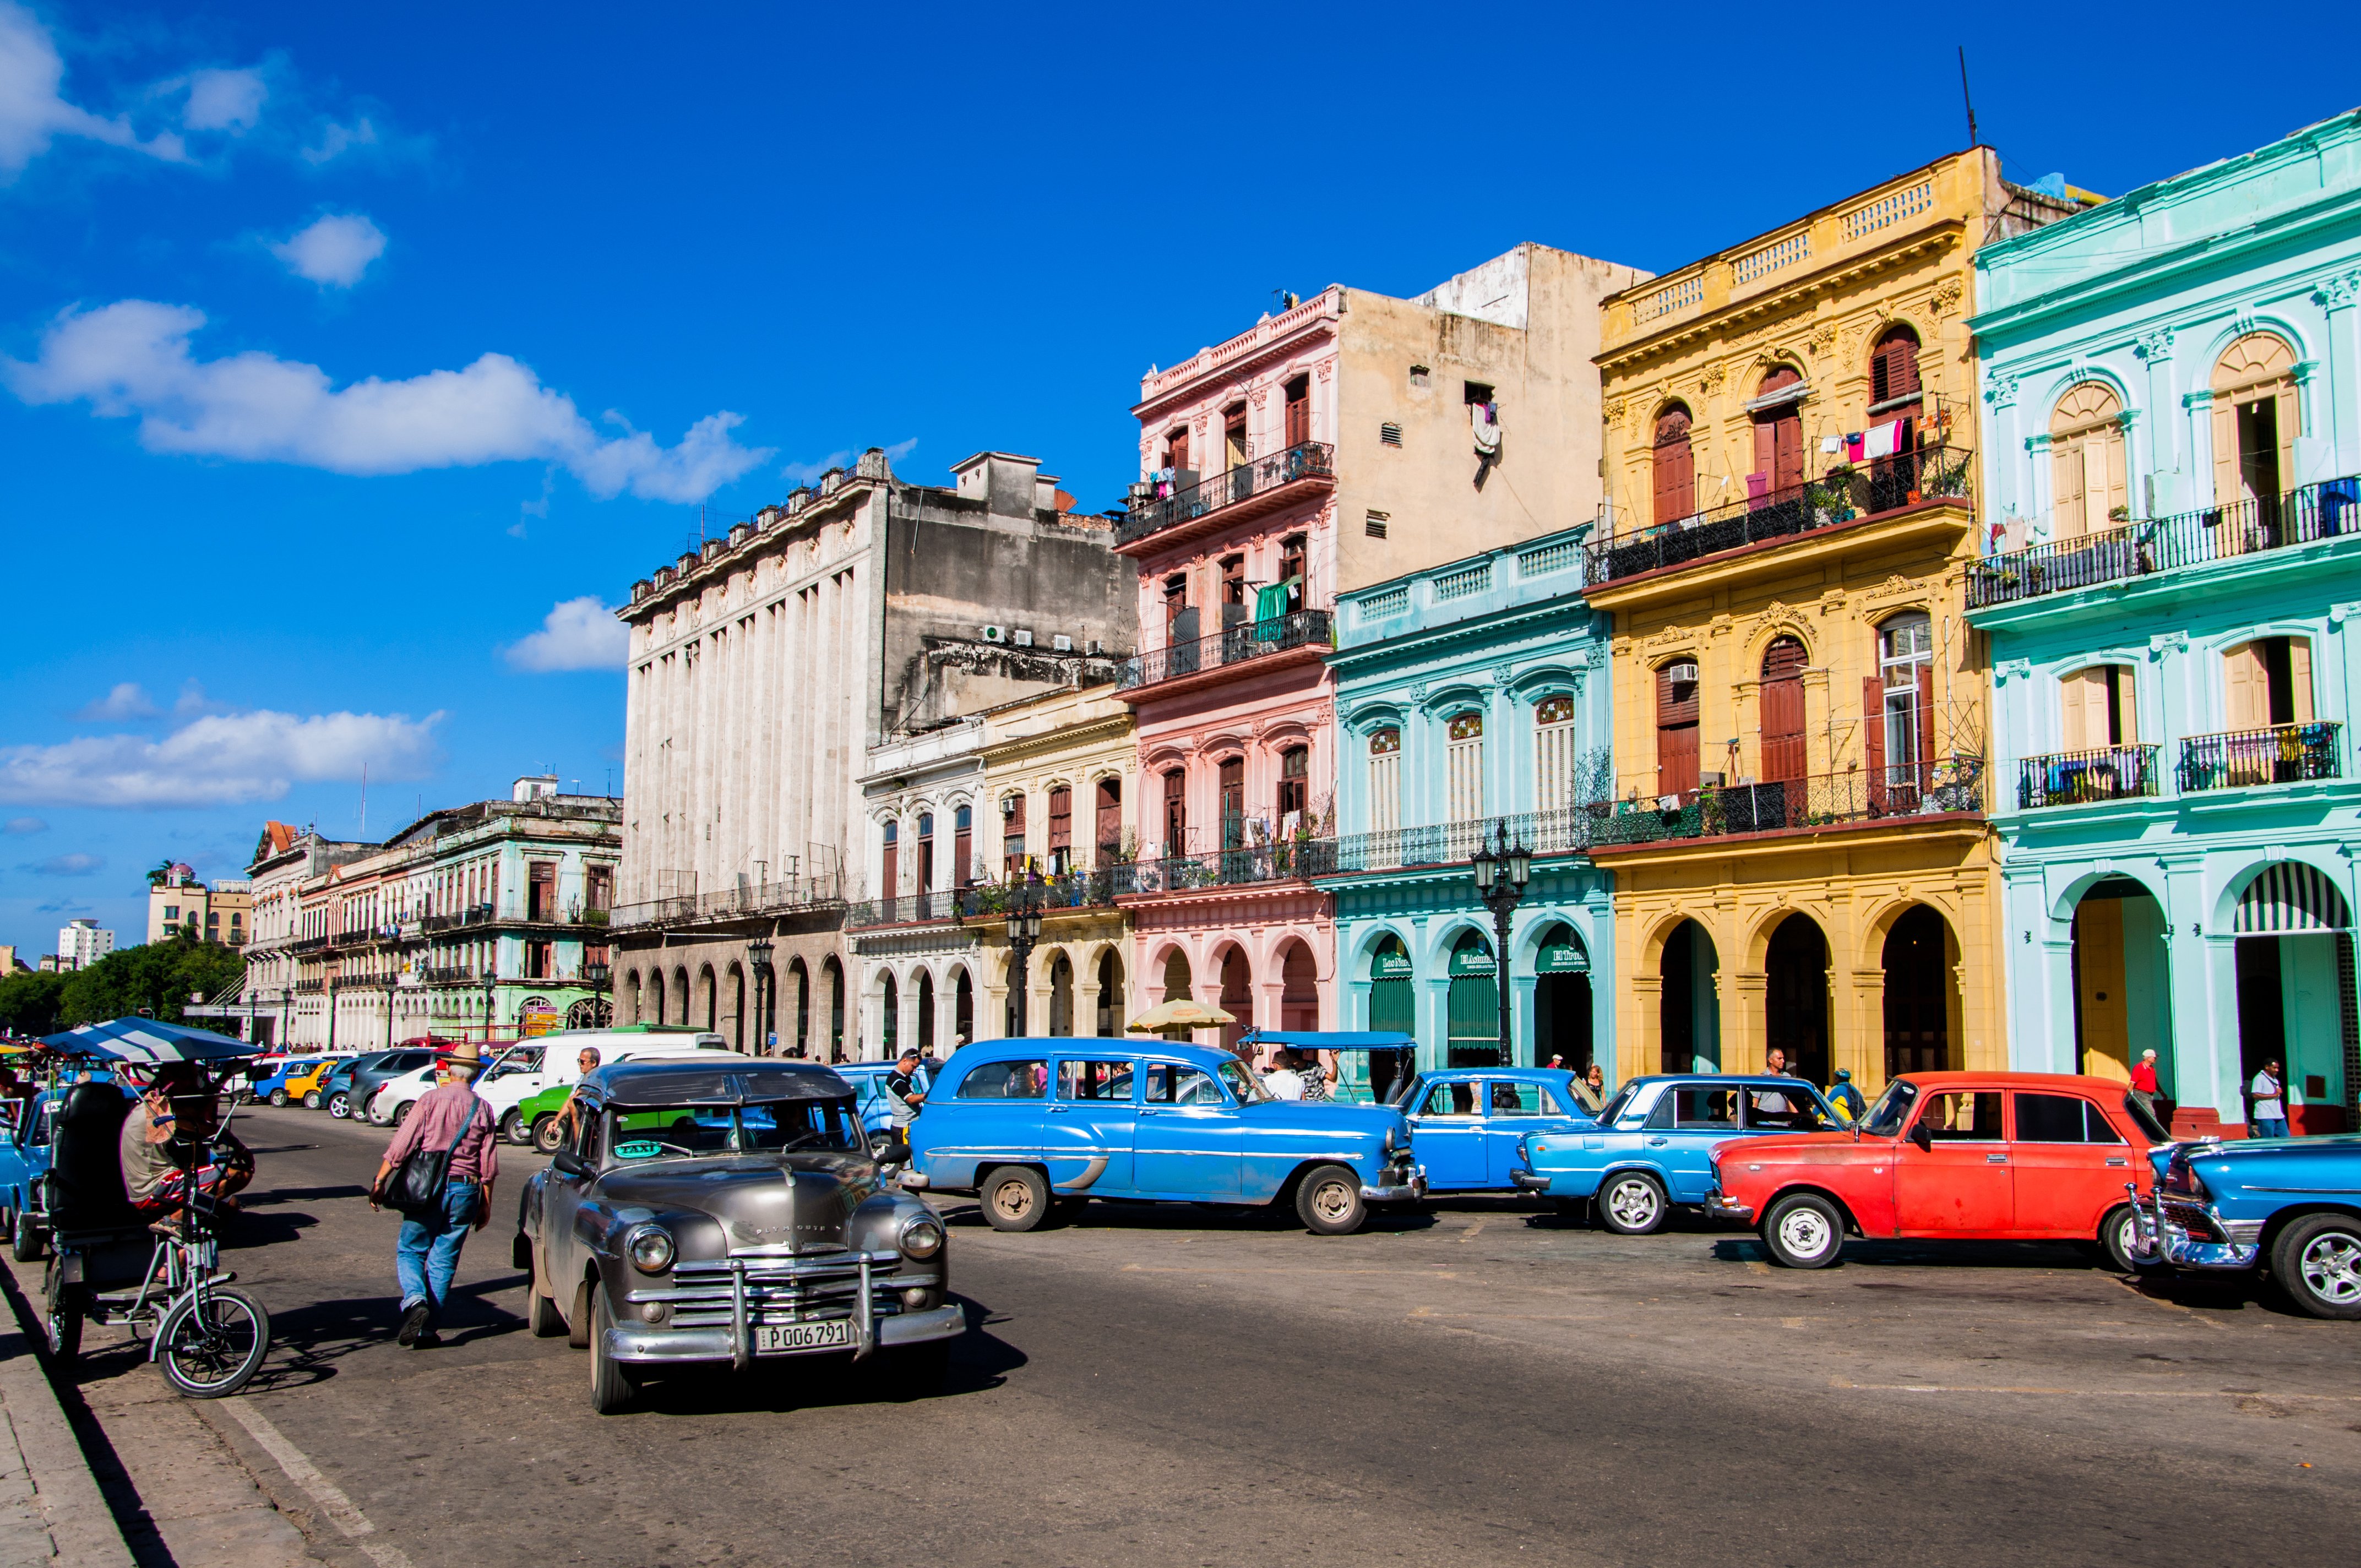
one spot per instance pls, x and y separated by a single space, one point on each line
1923 1138
566 1162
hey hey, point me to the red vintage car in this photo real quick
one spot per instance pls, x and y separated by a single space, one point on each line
1968 1156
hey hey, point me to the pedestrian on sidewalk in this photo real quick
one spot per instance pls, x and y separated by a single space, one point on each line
450 1116
904 1097
2143 1087
2270 1102
1845 1097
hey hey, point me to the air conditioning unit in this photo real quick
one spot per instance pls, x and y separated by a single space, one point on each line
1022 639
995 634
1008 807
1062 644
1682 673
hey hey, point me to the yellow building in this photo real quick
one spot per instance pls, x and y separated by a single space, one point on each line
1801 855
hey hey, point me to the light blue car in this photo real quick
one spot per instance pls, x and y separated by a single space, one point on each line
1653 1146
868 1080
1037 1127
1465 1122
2291 1206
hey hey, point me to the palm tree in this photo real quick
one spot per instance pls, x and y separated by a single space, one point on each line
163 869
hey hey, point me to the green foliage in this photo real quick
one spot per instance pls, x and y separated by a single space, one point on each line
157 976
29 1004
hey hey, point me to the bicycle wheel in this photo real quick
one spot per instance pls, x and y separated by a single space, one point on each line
209 1345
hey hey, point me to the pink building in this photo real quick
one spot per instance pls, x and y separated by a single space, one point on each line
1352 439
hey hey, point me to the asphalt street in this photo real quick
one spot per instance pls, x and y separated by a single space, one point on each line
1479 1384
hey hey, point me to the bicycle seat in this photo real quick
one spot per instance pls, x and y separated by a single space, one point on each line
87 1202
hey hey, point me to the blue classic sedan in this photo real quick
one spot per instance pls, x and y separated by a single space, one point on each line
1653 1145
1037 1127
1465 1122
2290 1205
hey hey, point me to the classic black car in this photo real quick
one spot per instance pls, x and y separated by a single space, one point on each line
723 1211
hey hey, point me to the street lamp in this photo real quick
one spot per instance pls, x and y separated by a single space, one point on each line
491 970
595 974
1501 872
1024 930
758 959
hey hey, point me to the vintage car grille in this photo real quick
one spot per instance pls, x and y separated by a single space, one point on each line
780 1289
2191 1218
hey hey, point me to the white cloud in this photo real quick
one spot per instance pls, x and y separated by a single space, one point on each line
578 634
193 701
336 141
335 250
225 100
76 864
219 760
33 109
127 699
132 358
16 825
809 473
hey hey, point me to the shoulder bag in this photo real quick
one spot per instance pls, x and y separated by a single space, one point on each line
415 1186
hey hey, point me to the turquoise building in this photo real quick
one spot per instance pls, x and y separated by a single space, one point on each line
1471 696
2171 595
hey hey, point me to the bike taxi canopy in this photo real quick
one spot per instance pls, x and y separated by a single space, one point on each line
1331 1040
148 1041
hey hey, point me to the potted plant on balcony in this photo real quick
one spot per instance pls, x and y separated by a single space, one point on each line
1831 498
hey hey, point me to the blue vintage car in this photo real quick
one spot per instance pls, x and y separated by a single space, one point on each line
2290 1205
1652 1143
868 1080
1465 1122
24 1158
274 1088
1037 1127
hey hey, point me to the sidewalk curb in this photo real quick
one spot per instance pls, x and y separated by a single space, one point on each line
82 1528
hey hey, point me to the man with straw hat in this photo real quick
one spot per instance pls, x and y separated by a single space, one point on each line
450 1116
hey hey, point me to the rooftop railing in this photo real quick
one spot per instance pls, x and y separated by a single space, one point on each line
2082 778
989 900
2284 753
1255 476
1564 830
1825 800
2326 510
751 898
1239 644
1844 495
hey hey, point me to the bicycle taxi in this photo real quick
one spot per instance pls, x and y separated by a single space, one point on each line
111 1263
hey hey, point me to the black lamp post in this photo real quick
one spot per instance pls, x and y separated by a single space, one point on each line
1024 930
1502 872
596 974
758 958
491 970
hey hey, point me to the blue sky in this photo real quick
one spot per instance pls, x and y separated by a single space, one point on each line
341 354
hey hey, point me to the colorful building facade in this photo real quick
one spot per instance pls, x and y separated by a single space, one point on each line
1472 699
1801 855
2174 387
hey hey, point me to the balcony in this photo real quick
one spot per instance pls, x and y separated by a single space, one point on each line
1241 644
473 915
2285 753
1828 800
2326 510
991 901
448 974
1845 495
2082 778
748 899
1289 859
1253 487
1564 832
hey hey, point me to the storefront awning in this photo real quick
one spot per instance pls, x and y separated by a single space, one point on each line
2287 899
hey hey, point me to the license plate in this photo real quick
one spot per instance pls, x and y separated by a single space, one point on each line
786 1339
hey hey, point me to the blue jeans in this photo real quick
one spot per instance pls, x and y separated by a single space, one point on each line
427 1255
2271 1127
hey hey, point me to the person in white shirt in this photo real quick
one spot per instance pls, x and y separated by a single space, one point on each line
1283 1081
2270 1117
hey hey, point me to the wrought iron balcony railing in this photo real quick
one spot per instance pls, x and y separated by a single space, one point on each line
1888 484
1240 644
2080 778
2325 510
989 900
473 915
1285 859
1824 800
1565 830
747 898
2285 753
1258 476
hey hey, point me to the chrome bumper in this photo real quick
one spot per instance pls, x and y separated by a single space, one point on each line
1722 1208
657 1344
1409 1191
2156 1239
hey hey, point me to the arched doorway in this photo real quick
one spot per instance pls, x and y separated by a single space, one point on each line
2296 999
1299 996
1237 997
1176 977
2121 977
1061 994
680 998
926 1040
832 973
889 1001
1111 1003
1561 1021
1472 1037
1393 1006
1778 439
1689 1010
1917 959
1784 757
1795 997
798 983
733 1018
710 997
655 1013
1674 467
962 1008
632 999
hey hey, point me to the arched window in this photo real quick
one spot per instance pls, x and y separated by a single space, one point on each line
2267 682
1676 727
1553 760
926 852
1384 779
1783 711
889 878
963 845
2256 417
1902 701
1231 774
2086 462
1061 828
1176 811
1675 464
1778 435
1110 820
889 1010
1894 374
1894 401
1463 766
1294 788
1012 834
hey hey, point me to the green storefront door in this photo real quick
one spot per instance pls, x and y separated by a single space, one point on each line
1393 1005
1475 1006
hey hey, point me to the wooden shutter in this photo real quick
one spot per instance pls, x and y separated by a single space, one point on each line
2299 677
1766 451
1175 812
1926 724
889 882
1061 819
962 854
1784 756
2246 689
1298 411
2227 488
2104 480
2075 728
1676 737
1179 448
1675 467
2067 518
1110 816
1872 737
2127 705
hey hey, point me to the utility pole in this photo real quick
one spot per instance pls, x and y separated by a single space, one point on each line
1971 103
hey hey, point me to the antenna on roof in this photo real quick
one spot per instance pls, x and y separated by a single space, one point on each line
1971 103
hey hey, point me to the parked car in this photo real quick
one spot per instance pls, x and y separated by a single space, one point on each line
278 1087
28 1136
1958 1155
347 1089
2289 1205
524 1070
303 1087
1040 1126
1649 1150
536 1118
389 1104
722 1210
1466 1122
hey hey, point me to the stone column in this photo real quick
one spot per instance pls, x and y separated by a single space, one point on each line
1861 1046
2168 481
2199 489
2338 296
1639 1043
2039 524
1433 1018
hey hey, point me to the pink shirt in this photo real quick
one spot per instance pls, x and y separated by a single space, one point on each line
436 1118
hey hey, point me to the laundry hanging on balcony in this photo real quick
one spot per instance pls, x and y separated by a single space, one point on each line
1877 441
1271 609
1486 417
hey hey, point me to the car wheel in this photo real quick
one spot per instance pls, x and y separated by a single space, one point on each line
513 1128
30 1242
1328 1201
340 1105
2117 1232
401 1111
311 1100
918 1371
1014 1197
2317 1261
578 1327
542 1312
546 1133
613 1387
278 1098
1632 1204
62 1312
1803 1231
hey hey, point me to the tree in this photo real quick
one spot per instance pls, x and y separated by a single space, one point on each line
162 869
157 976
29 1004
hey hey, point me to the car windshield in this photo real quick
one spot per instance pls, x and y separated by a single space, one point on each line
1892 1108
1244 1083
1583 1095
1617 1106
2146 1120
1407 1095
695 1132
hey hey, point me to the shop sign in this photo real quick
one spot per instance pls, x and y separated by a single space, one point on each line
1561 957
1471 960
1390 965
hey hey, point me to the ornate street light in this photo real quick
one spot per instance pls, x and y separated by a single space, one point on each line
1503 870
1024 930
491 973
758 959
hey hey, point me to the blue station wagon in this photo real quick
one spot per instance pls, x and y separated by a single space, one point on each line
1037 1127
1652 1143
1466 1122
2290 1205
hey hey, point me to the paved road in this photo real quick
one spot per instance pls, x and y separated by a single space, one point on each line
1189 1387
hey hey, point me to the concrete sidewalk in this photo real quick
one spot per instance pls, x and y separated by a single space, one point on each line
51 1508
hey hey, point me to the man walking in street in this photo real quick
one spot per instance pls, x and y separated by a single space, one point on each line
451 1116
2143 1087
2270 1102
904 1097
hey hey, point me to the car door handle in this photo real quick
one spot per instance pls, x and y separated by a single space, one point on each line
1995 1159
1058 1110
1147 1110
2118 1160
1658 1143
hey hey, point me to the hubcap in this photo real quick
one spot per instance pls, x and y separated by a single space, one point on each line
1012 1199
1632 1203
2331 1267
1332 1202
1804 1233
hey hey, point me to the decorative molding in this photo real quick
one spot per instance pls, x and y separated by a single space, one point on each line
1945 299
1823 339
2340 613
1895 586
2153 345
2000 390
2011 669
1418 691
1709 382
1325 370
1503 674
2165 643
2202 397
2340 293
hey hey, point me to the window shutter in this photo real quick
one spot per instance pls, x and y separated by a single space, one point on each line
1873 707
2127 705
2245 696
2075 711
2105 483
1926 725
1675 467
1783 755
2065 486
2299 677
2227 488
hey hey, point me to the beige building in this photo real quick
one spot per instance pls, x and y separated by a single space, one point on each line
181 905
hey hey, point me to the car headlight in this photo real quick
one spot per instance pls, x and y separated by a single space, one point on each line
1390 1140
1525 1149
650 1248
921 1237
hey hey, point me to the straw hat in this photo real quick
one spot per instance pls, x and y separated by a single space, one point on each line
466 1054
